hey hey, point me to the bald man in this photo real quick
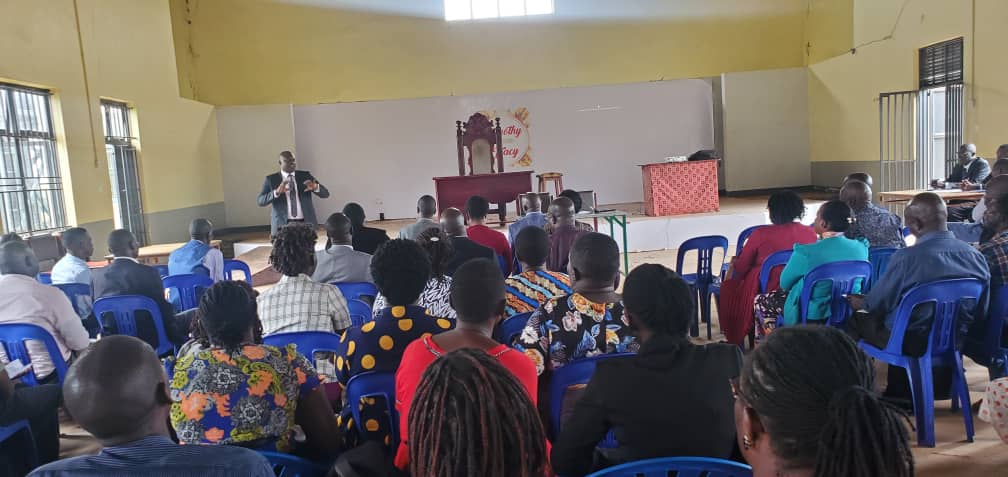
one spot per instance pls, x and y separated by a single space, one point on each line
564 232
339 262
118 392
426 218
877 225
453 224
971 169
197 255
532 208
290 192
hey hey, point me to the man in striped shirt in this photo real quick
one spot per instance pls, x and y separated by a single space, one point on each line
527 291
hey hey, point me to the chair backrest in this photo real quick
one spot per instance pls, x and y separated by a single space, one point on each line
162 270
993 352
502 263
776 259
844 277
946 296
231 266
371 385
13 337
286 465
360 312
705 247
510 328
73 291
576 372
189 288
355 290
678 466
44 278
123 309
879 258
743 237
22 430
308 342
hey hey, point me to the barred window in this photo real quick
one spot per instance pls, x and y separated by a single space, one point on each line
120 149
31 191
941 64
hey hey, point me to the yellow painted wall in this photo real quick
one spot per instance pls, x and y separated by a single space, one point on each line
829 29
843 91
129 55
256 52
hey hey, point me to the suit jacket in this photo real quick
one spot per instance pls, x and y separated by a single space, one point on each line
278 218
672 398
367 239
126 277
978 172
466 250
342 264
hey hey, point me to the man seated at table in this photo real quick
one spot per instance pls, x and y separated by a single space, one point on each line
453 224
477 208
971 171
197 255
937 255
339 262
877 225
532 208
565 233
427 211
365 239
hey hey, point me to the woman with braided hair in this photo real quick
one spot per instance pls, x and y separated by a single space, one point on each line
229 388
671 398
469 417
804 407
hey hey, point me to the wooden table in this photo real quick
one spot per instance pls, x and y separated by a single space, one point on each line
502 188
158 254
945 194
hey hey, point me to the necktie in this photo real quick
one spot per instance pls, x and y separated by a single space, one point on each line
292 196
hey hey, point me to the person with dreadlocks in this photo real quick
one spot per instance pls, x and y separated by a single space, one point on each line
470 416
232 389
804 405
401 269
478 295
435 295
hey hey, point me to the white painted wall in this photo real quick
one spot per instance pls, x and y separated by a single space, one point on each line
766 129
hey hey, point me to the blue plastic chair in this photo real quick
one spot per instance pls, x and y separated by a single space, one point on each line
232 266
510 328
73 292
702 280
23 430
991 352
776 259
574 373
374 384
162 270
286 465
13 337
355 290
123 309
879 258
844 278
360 312
44 278
188 288
678 466
946 296
308 342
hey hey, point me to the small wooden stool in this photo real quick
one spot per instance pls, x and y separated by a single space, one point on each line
555 177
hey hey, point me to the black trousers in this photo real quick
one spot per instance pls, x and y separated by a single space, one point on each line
40 406
961 212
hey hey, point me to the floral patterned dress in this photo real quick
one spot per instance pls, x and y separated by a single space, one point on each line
248 397
573 327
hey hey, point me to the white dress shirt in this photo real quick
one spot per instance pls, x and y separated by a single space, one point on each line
214 263
292 194
25 300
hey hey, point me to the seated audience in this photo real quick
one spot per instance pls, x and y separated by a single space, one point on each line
832 222
127 276
24 300
401 270
564 233
477 209
197 255
995 250
741 284
365 239
878 226
587 322
860 177
531 205
339 262
232 389
977 232
659 307
459 394
118 392
535 285
40 406
453 224
937 255
478 296
575 197
73 267
804 405
427 212
435 297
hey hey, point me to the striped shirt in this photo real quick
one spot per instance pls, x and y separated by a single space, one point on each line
527 291
158 456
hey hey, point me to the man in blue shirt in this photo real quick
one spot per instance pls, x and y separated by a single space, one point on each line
73 267
119 393
532 208
197 255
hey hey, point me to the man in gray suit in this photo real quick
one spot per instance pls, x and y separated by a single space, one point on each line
290 192
426 209
339 262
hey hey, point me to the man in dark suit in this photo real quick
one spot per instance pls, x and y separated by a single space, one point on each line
453 224
365 239
126 276
290 192
971 171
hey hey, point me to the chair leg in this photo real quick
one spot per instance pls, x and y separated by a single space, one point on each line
695 322
961 394
705 308
922 389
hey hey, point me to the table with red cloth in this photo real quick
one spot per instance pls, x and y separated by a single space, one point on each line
674 188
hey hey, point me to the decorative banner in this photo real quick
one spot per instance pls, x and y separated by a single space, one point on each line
515 134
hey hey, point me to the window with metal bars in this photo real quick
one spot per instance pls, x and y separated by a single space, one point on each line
120 149
941 64
31 190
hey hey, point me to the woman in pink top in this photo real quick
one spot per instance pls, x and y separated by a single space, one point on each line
477 295
738 291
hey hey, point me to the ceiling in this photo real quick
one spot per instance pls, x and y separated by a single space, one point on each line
589 10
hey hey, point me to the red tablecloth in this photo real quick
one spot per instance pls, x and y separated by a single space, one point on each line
674 188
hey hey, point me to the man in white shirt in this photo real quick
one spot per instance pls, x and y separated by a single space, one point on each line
73 267
198 253
24 300
339 262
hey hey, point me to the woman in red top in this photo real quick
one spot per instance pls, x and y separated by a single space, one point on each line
477 295
738 291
